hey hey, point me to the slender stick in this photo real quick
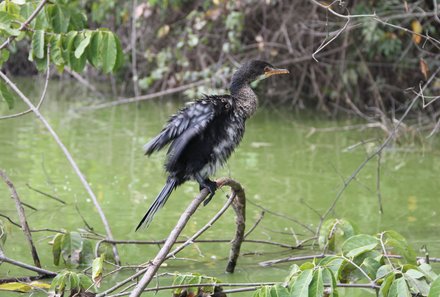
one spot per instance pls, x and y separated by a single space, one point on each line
39 270
69 158
133 38
22 217
145 97
160 257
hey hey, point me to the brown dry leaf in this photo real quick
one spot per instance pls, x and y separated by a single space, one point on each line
417 28
424 69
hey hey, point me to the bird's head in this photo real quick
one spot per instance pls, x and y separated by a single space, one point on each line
255 70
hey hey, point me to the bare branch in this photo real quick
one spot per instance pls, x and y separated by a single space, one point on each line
146 97
22 217
39 270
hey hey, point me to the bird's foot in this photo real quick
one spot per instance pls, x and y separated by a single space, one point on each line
211 186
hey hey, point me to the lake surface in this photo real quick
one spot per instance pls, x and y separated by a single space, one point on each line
284 167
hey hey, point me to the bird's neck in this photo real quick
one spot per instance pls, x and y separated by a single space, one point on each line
245 98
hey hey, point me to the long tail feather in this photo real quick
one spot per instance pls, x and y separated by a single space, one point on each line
160 201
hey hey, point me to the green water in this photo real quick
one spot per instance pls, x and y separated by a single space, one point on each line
283 166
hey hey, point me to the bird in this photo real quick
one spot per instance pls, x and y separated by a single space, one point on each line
203 135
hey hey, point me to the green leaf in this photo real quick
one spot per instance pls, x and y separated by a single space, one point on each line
71 248
400 246
56 48
334 263
328 276
383 271
93 51
56 248
415 273
427 270
97 269
120 60
108 50
3 235
4 56
77 64
334 232
78 21
359 244
417 282
87 253
399 288
6 22
68 41
84 281
301 286
5 19
79 51
385 286
74 281
316 288
57 18
435 288
370 266
6 95
279 291
294 272
59 282
38 44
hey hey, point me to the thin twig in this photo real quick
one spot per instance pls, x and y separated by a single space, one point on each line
43 94
69 158
145 97
257 222
22 217
38 270
379 193
133 39
45 194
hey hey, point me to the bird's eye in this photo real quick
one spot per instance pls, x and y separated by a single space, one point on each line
266 69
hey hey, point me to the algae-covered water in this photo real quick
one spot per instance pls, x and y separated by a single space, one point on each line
290 163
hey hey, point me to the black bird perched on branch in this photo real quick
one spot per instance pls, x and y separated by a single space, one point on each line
203 135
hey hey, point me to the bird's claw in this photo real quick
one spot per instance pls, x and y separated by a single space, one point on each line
211 187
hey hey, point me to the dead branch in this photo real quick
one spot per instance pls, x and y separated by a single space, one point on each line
38 270
239 206
22 217
146 97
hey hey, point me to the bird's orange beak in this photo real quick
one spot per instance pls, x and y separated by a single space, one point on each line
269 71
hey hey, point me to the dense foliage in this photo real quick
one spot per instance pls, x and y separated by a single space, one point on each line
377 57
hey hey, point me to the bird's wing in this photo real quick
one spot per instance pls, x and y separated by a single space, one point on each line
182 127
